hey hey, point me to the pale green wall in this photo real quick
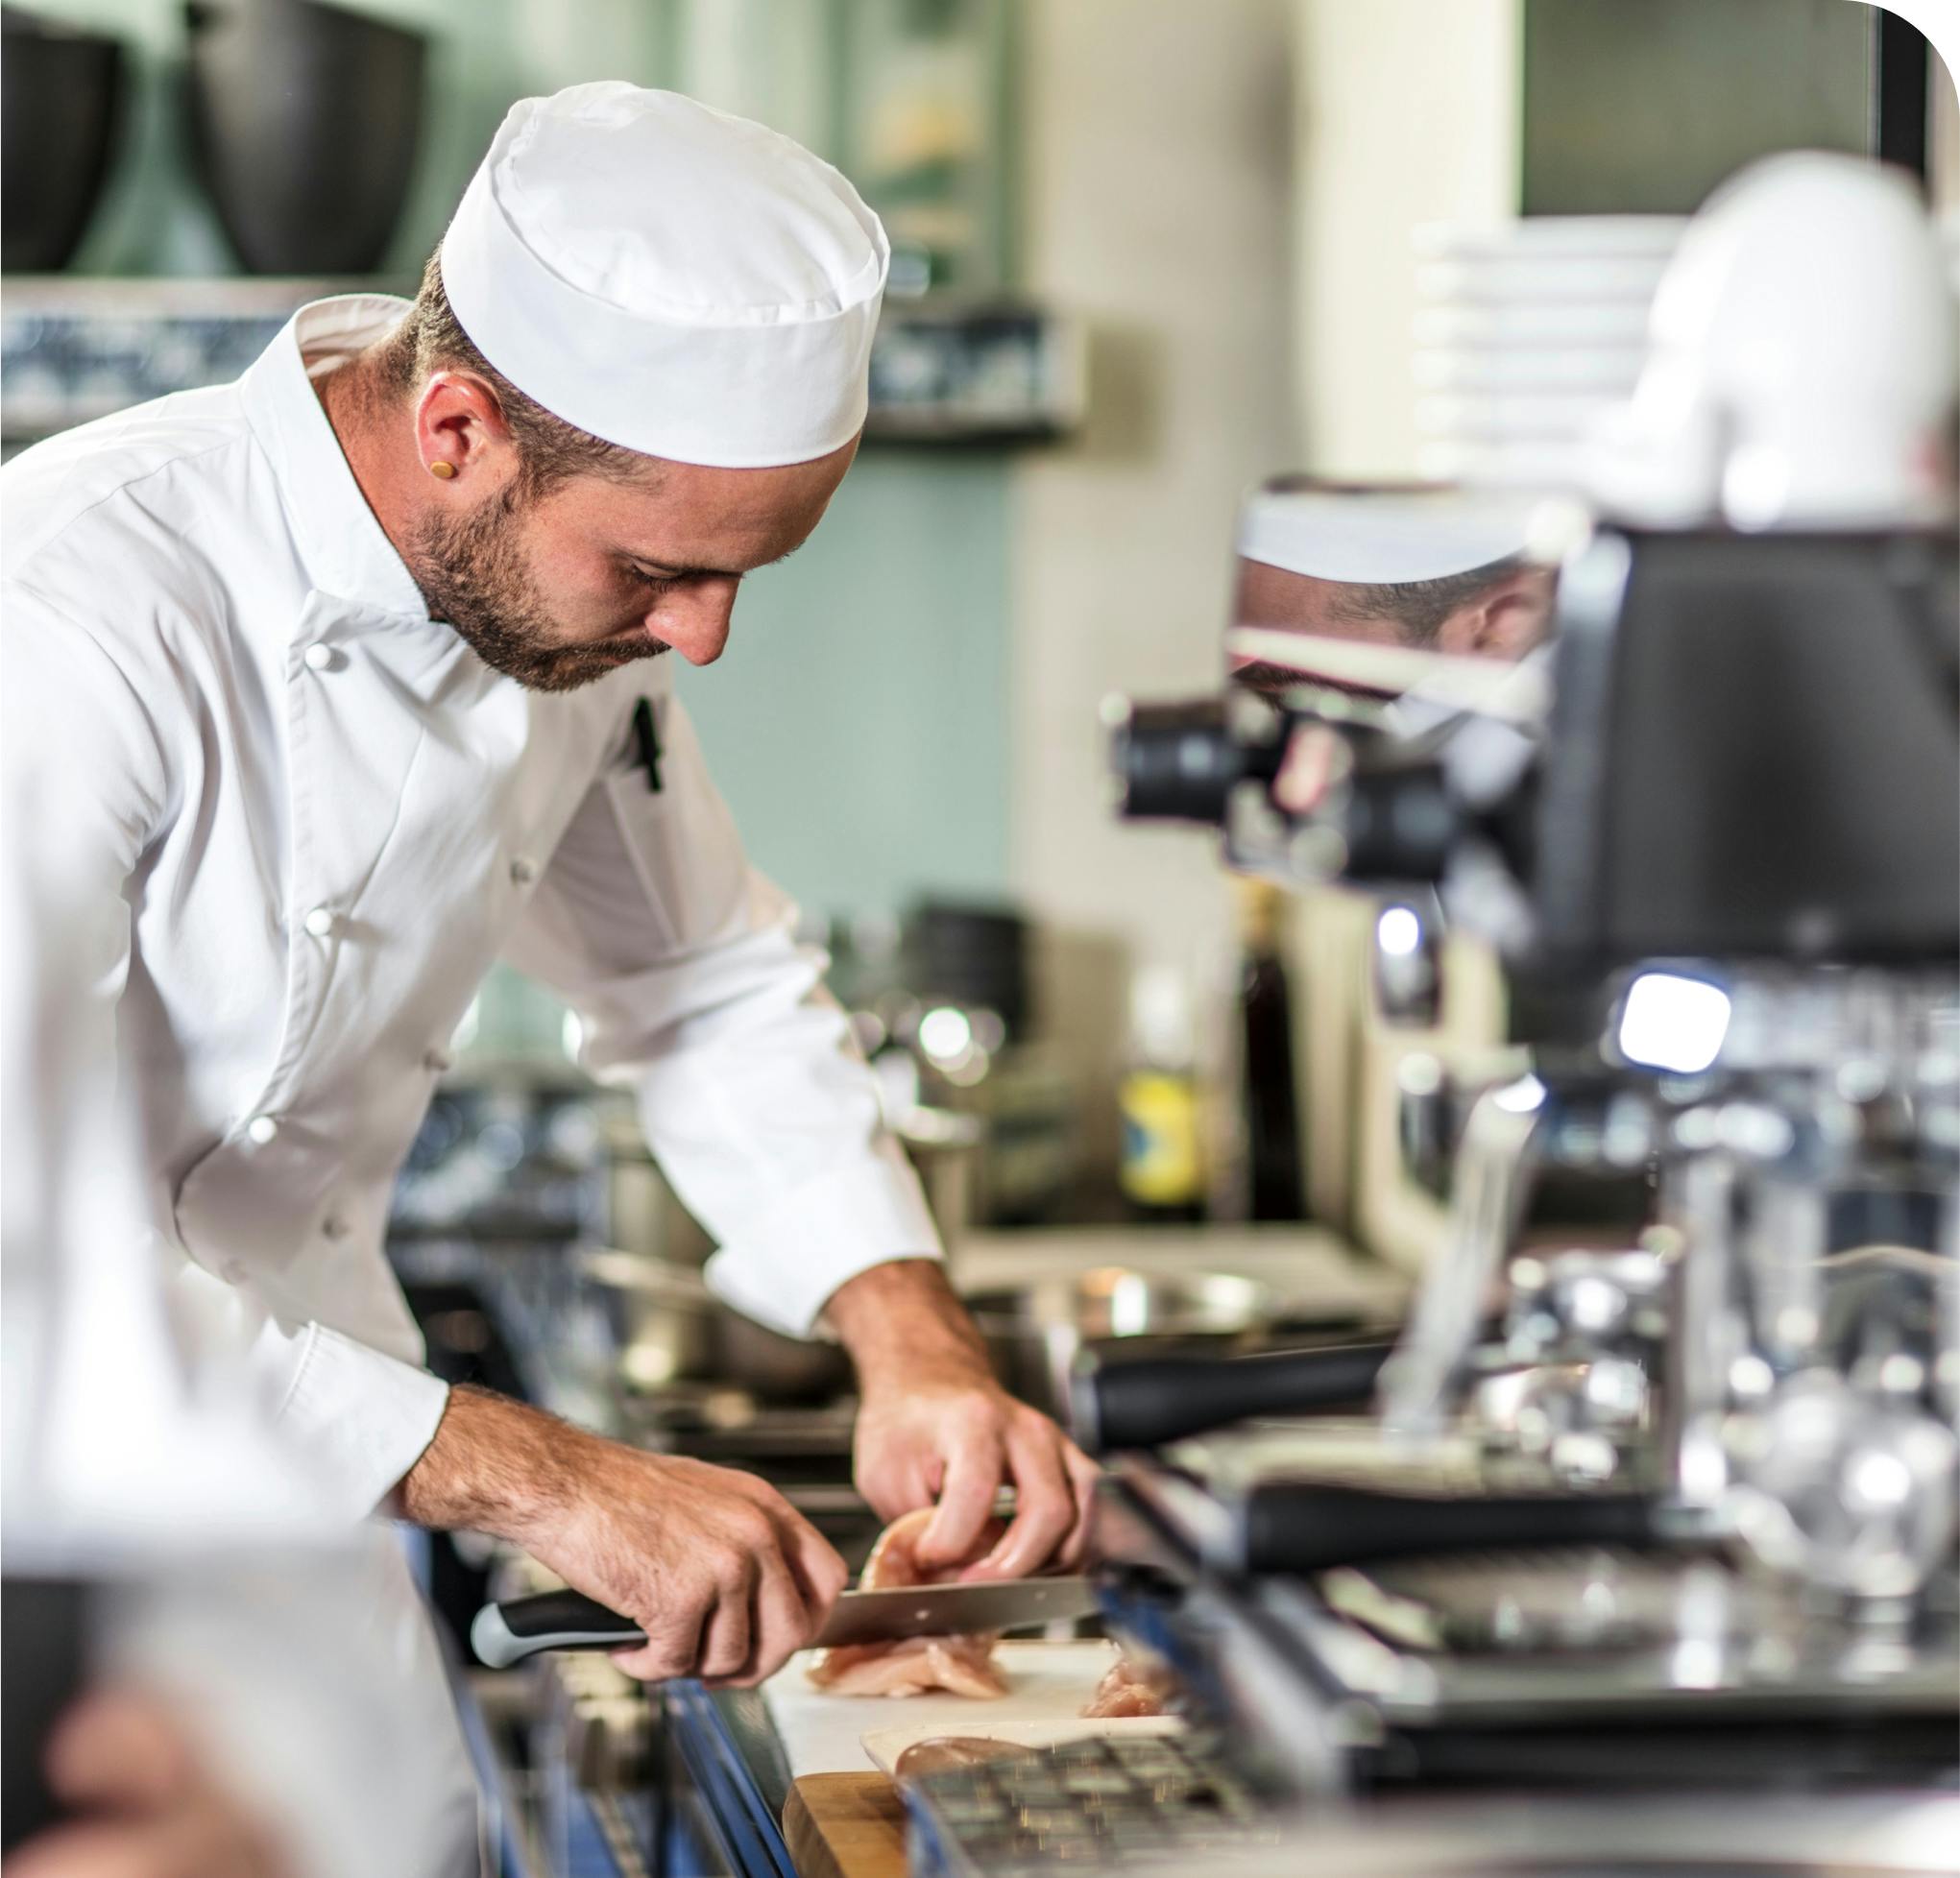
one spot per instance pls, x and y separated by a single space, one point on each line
858 722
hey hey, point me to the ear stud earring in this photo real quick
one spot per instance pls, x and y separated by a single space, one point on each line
440 468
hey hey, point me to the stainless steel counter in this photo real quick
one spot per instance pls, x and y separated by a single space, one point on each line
589 1776
725 1783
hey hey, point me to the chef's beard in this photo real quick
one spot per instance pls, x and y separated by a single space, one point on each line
472 573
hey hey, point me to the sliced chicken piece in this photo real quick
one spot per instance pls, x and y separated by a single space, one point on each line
1130 1688
962 1664
944 1752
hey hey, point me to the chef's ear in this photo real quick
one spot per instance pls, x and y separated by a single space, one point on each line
461 431
1504 621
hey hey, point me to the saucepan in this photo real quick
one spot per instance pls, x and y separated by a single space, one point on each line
673 1330
1035 1332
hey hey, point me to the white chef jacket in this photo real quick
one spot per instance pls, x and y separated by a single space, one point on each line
313 818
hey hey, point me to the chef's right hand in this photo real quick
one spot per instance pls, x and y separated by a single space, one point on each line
725 1577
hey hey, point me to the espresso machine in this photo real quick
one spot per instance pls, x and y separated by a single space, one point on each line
1671 1513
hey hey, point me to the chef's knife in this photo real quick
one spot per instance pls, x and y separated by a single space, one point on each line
506 1634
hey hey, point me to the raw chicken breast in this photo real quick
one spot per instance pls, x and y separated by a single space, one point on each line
963 1665
945 1752
1131 1688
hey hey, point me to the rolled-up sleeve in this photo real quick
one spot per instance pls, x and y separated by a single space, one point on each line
363 1417
683 967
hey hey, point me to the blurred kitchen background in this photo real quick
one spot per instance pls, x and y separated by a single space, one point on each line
1146 251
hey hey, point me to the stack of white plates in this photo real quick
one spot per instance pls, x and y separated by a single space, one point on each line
1526 334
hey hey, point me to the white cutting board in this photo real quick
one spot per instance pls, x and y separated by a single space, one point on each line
822 1733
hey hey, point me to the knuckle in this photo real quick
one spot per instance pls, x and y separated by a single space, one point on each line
773 1502
760 1527
980 1411
748 1527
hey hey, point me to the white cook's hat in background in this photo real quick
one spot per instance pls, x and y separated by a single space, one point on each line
1380 537
669 277
1799 369
1389 536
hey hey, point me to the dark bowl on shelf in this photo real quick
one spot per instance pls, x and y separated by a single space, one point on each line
305 120
64 93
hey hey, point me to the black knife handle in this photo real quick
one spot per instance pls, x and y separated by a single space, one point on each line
506 1634
1160 1399
1292 1525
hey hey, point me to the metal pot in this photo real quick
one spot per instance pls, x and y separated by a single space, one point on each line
63 97
663 1315
676 1331
305 120
1035 1332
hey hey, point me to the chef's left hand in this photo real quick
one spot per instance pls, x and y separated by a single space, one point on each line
934 1425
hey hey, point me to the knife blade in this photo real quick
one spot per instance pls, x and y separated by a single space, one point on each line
508 1632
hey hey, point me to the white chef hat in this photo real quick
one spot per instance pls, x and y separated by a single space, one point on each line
669 277
1379 537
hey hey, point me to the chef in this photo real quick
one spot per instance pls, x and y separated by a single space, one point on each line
351 678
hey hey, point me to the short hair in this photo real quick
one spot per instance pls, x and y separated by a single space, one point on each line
431 337
1420 607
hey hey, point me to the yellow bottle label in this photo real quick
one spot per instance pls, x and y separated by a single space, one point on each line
1163 1154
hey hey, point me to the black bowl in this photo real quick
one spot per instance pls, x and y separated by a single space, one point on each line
305 120
61 94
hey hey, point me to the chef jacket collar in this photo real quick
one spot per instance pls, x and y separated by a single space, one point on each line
346 551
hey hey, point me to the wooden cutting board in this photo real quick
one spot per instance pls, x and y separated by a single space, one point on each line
845 1825
822 1733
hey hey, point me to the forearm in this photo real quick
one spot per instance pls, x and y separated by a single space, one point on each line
902 1320
495 1466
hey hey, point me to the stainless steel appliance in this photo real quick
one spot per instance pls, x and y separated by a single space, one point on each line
1671 1509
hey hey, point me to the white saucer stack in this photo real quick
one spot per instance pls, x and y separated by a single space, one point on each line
1526 334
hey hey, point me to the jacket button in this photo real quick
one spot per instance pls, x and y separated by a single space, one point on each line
235 1271
333 1226
524 871
437 1060
261 1129
319 658
321 922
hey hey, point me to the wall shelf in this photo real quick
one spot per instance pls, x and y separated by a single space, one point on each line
945 370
